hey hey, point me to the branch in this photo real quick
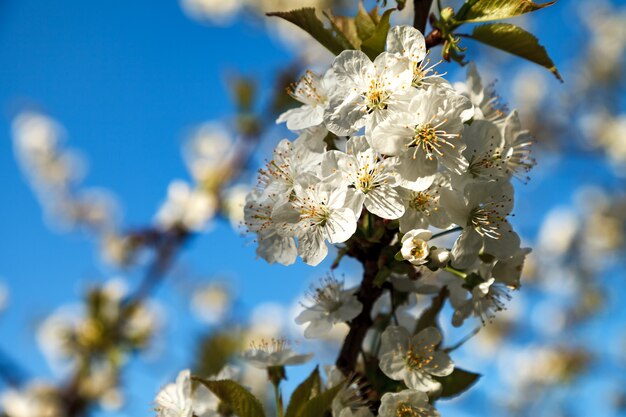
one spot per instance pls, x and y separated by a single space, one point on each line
433 39
421 10
429 315
367 295
368 255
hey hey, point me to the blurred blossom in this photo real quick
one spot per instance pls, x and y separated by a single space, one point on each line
104 326
548 318
211 303
607 44
267 320
542 365
609 133
275 352
100 382
209 153
186 208
529 89
37 141
217 12
37 399
233 202
55 174
557 231
117 249
112 399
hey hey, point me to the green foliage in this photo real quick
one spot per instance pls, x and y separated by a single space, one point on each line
306 19
516 41
381 276
380 382
303 393
457 382
428 318
487 10
235 397
366 31
373 43
320 404
216 350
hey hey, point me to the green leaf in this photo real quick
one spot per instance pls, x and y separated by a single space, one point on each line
375 44
216 350
381 276
486 10
398 256
317 406
344 26
514 40
457 382
307 20
365 25
303 393
430 314
380 382
237 398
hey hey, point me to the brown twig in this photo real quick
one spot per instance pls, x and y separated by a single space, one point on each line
434 38
368 255
421 10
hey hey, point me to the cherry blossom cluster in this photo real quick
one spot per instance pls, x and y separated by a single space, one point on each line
391 138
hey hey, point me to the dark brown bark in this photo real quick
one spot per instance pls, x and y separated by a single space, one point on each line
421 9
367 295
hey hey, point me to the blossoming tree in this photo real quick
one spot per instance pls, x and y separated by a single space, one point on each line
387 163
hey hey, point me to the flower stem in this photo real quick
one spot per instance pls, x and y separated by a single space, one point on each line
279 400
455 271
447 232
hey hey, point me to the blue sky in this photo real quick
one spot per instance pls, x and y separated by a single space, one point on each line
126 79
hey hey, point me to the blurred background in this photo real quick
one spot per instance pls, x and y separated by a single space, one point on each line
129 134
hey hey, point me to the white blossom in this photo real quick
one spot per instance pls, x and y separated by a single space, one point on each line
272 246
318 211
484 301
373 177
276 352
366 91
423 207
175 400
38 399
486 103
414 359
330 304
415 246
313 92
427 134
482 211
516 147
407 403
186 207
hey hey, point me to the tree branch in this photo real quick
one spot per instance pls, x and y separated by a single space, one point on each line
368 254
421 10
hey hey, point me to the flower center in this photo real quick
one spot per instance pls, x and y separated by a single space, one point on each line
420 248
416 360
423 71
481 166
375 98
487 218
316 214
328 294
407 410
420 201
306 90
430 139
